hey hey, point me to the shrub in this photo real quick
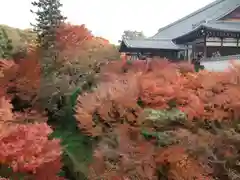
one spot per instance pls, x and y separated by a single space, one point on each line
25 147
156 119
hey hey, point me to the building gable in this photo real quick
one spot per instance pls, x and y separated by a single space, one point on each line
208 13
233 16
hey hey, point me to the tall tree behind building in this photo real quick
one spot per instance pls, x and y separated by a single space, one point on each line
133 35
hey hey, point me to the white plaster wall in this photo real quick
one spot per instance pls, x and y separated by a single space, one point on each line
217 65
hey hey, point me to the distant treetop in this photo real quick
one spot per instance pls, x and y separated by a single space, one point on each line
128 34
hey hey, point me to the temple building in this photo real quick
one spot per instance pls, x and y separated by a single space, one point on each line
213 31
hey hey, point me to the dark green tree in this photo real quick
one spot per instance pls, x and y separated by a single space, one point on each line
48 19
128 34
6 47
53 81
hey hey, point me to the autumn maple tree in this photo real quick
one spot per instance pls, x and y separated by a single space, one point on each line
36 94
26 147
121 119
173 124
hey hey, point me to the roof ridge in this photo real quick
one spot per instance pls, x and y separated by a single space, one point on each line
149 39
192 14
223 22
160 39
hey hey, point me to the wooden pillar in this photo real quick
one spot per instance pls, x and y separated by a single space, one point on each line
193 51
221 45
205 46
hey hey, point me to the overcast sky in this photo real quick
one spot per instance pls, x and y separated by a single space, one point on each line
108 18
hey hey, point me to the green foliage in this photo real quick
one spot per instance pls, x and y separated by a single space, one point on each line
74 97
8 172
128 34
198 67
6 47
77 150
160 117
163 138
162 120
19 38
49 18
76 146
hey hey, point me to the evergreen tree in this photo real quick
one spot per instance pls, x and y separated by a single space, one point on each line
48 20
6 48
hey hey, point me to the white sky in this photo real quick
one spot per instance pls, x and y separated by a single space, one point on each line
108 18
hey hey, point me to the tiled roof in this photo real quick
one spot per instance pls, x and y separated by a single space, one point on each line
211 12
206 16
219 26
224 26
152 44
